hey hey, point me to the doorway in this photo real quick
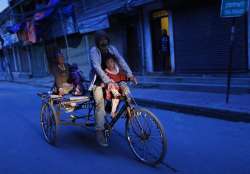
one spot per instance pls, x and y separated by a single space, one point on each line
160 41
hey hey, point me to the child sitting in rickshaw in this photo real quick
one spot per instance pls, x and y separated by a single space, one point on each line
68 78
76 78
119 87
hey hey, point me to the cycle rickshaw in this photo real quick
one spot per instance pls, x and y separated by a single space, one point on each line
143 131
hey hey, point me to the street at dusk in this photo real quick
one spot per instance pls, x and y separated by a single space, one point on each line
125 86
195 144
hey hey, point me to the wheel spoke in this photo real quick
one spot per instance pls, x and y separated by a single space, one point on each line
157 151
146 124
146 136
144 151
149 152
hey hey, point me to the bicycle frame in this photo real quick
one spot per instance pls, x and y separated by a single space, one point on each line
89 105
125 107
135 126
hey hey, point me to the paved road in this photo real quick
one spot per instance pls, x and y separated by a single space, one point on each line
197 145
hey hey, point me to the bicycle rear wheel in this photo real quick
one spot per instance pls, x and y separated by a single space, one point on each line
48 123
146 136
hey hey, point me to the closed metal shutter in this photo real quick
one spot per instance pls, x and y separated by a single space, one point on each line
202 40
38 61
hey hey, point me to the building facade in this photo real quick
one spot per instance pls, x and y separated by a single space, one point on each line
154 36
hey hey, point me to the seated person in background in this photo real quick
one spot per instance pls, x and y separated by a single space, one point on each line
119 87
61 74
77 80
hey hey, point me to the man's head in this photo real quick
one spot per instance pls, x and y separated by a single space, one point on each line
102 40
60 58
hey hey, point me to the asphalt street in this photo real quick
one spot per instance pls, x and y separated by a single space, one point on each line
196 145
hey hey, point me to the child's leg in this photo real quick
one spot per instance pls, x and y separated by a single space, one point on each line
124 89
115 92
115 103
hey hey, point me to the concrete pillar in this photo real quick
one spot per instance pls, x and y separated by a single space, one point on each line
248 38
86 57
171 40
19 60
148 42
45 60
29 58
142 42
14 58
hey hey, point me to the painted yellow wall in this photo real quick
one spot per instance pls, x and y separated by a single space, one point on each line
164 23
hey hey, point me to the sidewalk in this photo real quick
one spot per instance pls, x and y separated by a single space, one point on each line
45 82
200 103
199 83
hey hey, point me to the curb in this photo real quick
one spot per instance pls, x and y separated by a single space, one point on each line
28 83
189 109
198 110
196 87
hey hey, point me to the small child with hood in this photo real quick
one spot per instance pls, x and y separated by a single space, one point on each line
77 80
119 88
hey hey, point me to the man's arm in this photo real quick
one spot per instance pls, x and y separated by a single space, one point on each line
122 63
95 61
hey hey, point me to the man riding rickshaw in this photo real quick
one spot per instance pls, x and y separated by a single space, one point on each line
110 73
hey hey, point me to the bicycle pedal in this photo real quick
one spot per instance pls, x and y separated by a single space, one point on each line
73 118
107 133
89 124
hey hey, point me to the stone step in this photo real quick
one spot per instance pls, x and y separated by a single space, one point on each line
195 87
196 80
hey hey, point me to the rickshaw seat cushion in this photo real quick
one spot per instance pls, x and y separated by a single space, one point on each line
79 98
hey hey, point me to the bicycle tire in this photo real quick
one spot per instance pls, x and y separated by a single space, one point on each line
144 134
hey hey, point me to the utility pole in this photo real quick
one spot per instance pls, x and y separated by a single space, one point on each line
232 9
65 35
230 62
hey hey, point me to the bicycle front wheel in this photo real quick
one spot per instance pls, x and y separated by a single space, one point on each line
146 136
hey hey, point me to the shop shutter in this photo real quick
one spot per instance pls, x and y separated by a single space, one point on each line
202 40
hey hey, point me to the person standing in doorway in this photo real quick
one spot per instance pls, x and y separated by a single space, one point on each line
165 50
